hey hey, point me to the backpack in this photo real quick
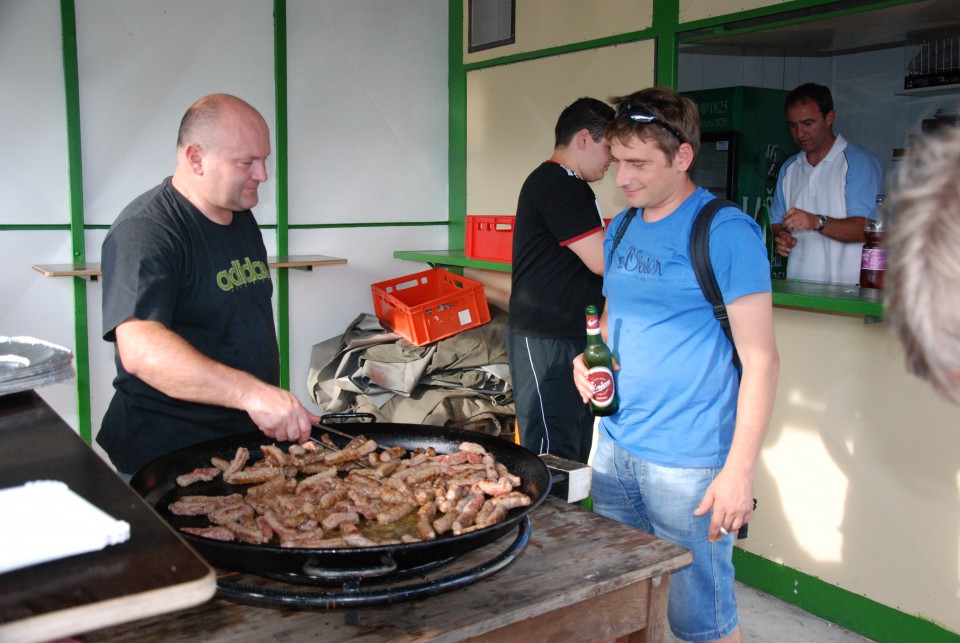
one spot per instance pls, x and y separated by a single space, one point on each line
700 258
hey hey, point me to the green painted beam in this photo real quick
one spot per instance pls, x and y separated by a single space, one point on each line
71 81
456 128
282 184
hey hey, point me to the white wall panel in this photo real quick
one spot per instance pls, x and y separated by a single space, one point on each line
33 122
142 64
367 103
38 306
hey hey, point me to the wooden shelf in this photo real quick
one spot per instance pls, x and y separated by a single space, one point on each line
936 90
92 270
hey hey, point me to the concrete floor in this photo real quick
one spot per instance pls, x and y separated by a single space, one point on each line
765 619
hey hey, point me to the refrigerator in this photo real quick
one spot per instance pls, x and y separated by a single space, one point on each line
743 142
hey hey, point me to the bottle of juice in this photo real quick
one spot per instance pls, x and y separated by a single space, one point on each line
873 260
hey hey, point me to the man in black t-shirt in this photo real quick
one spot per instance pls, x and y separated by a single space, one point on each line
187 299
557 268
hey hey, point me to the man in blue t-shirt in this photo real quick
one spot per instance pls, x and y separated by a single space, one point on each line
678 458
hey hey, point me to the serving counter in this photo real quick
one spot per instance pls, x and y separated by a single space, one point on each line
787 293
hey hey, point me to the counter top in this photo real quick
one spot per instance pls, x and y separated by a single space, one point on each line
807 295
580 577
152 573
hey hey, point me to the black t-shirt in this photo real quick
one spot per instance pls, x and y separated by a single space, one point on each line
164 261
551 286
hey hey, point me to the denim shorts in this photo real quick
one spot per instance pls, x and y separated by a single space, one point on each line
660 500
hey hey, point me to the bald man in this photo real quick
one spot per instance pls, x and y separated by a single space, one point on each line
187 299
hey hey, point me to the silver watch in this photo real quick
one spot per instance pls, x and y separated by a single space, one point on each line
823 221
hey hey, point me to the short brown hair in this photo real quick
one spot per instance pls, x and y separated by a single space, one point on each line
675 112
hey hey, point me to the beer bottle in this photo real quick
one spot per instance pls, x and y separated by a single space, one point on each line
599 361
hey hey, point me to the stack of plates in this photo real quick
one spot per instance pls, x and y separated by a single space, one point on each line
26 363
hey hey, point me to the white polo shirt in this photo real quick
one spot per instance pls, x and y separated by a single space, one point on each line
844 184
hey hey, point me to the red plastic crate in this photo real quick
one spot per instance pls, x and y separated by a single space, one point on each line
489 238
428 306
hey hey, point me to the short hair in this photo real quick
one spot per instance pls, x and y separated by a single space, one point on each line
923 259
195 123
673 110
582 113
811 92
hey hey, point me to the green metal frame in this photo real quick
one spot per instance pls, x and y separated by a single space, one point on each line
283 276
71 81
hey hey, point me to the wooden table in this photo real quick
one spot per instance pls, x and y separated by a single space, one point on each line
581 578
154 572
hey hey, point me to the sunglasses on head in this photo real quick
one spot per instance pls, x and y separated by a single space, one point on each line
642 114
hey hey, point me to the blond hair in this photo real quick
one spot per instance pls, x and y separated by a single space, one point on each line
923 260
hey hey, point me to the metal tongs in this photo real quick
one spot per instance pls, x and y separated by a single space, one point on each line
322 426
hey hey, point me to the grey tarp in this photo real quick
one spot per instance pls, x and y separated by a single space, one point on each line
371 370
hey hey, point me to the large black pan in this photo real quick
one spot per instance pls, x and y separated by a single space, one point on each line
156 482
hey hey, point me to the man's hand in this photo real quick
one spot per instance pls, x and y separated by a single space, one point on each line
581 378
797 220
731 497
784 243
279 414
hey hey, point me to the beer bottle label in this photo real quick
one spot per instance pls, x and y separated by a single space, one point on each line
602 379
593 325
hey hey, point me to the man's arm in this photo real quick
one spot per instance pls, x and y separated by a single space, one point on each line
849 230
590 251
731 493
168 363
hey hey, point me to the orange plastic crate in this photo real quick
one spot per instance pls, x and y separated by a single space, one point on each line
489 238
428 306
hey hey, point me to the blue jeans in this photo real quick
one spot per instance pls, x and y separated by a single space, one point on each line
661 500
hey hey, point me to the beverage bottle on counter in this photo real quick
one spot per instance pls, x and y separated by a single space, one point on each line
873 260
599 361
763 220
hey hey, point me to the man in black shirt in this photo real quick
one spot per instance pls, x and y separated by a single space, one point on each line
187 299
557 263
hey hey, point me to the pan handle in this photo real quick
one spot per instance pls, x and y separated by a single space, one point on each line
311 569
367 418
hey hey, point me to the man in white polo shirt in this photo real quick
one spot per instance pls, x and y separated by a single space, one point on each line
824 193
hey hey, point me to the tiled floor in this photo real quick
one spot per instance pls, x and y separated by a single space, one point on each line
765 619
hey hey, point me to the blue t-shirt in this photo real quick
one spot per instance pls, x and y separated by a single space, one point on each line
677 382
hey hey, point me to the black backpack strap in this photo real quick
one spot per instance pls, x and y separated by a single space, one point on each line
703 269
622 228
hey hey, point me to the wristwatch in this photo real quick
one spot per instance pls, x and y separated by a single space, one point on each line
823 221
